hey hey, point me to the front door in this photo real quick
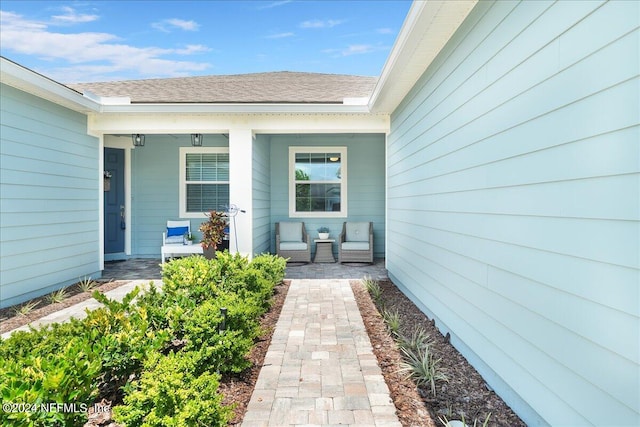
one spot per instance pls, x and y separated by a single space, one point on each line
114 208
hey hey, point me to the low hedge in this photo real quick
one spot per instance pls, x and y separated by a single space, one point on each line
165 349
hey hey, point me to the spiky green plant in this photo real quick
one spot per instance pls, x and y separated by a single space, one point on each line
86 284
25 308
423 368
57 296
418 339
373 287
392 320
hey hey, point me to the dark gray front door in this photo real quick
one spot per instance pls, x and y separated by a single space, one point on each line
114 208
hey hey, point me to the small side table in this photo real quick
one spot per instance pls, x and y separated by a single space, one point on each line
324 250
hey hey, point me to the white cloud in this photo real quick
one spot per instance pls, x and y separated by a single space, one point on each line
193 48
72 17
274 4
18 23
317 23
169 24
280 35
354 49
96 56
385 31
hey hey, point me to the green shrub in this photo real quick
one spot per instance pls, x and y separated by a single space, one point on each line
250 285
171 393
43 341
196 276
272 266
223 351
168 342
124 336
228 265
68 376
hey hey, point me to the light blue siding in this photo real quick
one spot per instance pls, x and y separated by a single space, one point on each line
366 182
261 215
49 228
513 204
155 190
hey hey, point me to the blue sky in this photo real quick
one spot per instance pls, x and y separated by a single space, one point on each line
81 41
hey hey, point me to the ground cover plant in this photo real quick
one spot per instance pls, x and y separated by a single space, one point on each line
160 353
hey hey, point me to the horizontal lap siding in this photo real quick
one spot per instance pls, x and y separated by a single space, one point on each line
155 176
48 198
513 182
365 180
261 195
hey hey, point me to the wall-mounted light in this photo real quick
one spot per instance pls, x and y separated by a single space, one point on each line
138 140
196 139
334 158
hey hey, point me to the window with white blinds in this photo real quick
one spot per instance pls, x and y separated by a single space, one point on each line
204 180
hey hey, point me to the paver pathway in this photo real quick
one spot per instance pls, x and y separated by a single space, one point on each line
320 368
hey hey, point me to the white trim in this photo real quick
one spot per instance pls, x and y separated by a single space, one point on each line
101 202
343 213
237 108
428 27
29 81
241 190
127 147
183 176
186 123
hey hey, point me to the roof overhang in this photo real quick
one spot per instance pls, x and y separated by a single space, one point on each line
426 30
29 81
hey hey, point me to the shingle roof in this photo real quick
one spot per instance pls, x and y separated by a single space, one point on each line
274 87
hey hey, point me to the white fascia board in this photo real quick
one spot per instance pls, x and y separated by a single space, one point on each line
237 108
154 123
427 29
38 85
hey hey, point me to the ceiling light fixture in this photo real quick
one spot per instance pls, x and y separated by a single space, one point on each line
138 140
196 139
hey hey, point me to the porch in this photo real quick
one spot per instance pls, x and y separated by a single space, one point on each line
323 179
149 269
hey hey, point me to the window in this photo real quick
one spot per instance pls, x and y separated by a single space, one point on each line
204 180
317 181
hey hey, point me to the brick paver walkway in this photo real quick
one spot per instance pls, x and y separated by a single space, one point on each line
320 368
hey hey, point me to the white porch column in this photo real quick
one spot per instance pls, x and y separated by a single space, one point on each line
240 189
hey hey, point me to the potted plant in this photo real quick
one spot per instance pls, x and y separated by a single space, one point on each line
189 238
212 232
323 233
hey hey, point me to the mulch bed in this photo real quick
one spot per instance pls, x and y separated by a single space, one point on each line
464 394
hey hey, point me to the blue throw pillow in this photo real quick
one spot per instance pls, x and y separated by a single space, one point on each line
177 231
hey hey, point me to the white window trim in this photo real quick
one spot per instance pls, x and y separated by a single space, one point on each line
343 213
183 176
